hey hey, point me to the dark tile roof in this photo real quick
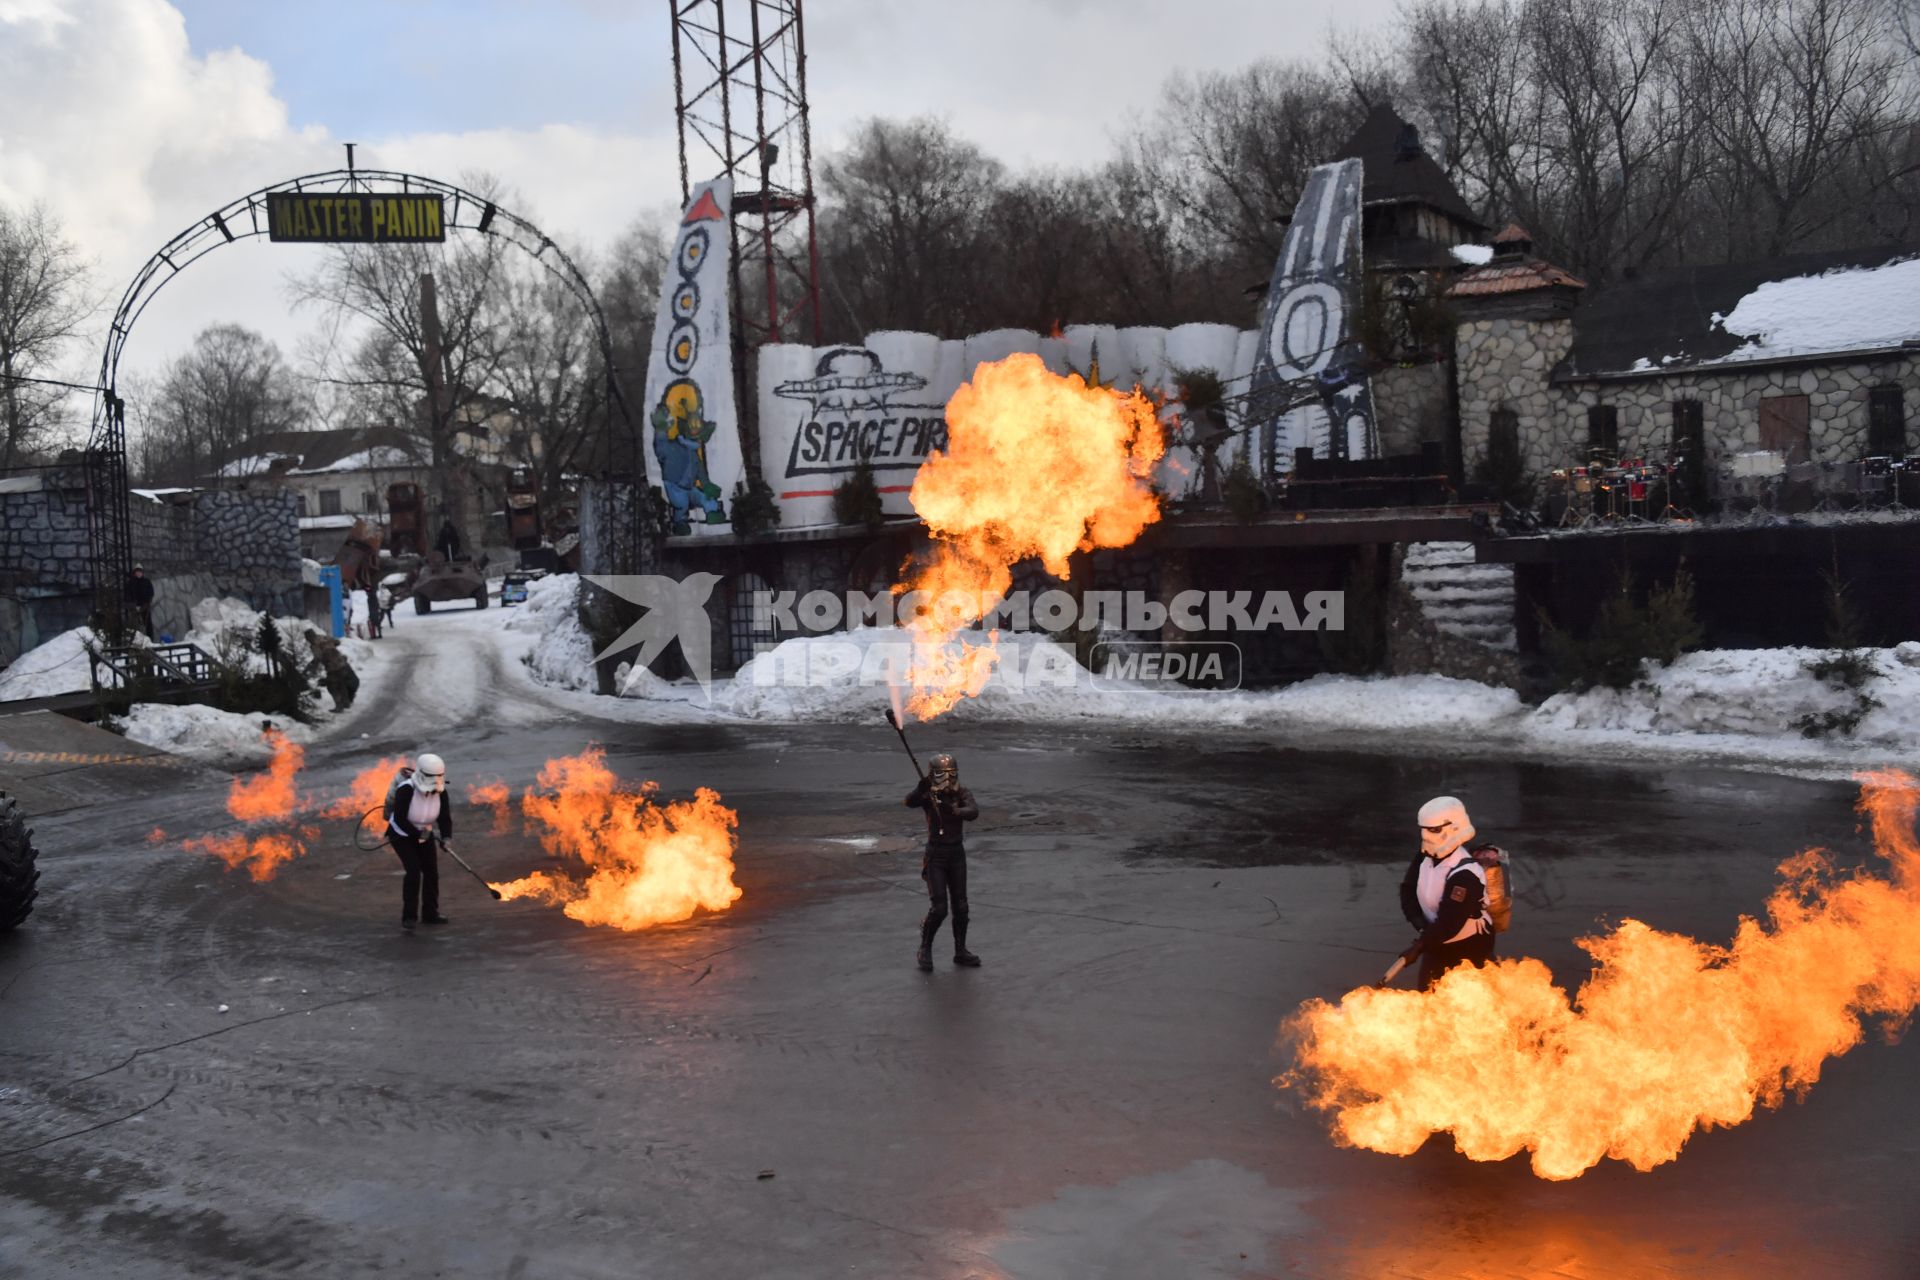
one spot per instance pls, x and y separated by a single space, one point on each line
1395 175
1666 319
1512 275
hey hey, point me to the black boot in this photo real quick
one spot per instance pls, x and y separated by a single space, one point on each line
924 957
962 956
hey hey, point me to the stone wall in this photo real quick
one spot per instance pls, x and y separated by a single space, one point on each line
1730 407
1507 363
44 540
1504 363
215 544
1411 406
249 543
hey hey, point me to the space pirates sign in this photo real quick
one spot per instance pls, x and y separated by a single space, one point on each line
854 410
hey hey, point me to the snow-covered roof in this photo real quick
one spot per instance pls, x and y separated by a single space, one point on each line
342 521
1813 307
155 495
377 458
253 465
1861 309
1478 255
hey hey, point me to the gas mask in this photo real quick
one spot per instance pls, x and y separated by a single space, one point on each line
1444 827
943 776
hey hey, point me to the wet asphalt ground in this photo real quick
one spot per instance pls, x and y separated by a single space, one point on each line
777 1091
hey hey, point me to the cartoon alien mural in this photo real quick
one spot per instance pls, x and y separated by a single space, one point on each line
681 430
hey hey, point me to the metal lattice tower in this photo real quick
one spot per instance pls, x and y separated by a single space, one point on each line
740 95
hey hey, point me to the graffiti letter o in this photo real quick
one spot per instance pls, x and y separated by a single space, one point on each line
1306 329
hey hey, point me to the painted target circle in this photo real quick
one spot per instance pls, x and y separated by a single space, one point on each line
683 348
1306 330
686 300
693 250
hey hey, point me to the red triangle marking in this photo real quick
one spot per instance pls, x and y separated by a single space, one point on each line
705 209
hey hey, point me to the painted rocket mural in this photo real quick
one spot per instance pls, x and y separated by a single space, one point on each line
1307 329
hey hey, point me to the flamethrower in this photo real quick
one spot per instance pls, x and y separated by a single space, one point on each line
898 728
469 870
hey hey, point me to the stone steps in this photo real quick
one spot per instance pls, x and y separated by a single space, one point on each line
1463 598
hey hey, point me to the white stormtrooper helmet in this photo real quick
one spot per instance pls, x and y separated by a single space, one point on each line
1444 827
429 774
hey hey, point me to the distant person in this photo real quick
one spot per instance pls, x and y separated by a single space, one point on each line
949 807
139 595
448 543
1444 894
341 681
420 816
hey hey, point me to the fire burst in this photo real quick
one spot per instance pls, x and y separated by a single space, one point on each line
644 863
1669 1035
368 788
1036 466
264 797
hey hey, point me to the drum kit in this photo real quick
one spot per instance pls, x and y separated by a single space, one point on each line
1609 492
1878 481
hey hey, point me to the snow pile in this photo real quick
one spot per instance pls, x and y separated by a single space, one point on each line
562 652
1841 310
847 676
1746 693
218 625
207 733
59 665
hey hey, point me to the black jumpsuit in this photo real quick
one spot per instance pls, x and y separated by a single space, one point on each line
946 864
1462 900
420 889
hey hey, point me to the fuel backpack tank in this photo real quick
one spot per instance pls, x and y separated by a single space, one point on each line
1493 865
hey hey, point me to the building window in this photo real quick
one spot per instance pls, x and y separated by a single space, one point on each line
1603 433
300 504
1886 421
329 502
369 503
1784 427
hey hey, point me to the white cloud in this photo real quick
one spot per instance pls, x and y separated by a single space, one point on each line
108 117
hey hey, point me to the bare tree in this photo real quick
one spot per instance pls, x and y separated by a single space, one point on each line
629 295
44 304
216 404
901 228
403 369
1239 146
547 364
1806 94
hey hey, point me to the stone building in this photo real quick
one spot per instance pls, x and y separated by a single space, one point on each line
191 545
1412 217
1797 369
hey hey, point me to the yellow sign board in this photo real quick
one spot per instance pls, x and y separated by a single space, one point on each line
358 217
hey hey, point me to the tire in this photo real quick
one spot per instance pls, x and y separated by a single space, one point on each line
17 872
480 598
420 605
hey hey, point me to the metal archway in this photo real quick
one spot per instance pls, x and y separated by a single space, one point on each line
245 218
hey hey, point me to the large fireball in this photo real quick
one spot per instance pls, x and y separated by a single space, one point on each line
1668 1036
1037 466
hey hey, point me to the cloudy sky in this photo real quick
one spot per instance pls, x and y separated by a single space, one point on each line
132 119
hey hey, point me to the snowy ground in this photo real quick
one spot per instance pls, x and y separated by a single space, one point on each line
1731 706
1728 706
